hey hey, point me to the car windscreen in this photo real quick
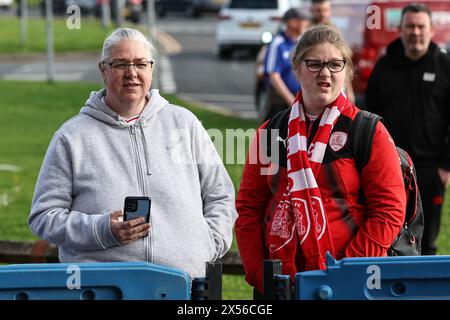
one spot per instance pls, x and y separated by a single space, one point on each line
253 4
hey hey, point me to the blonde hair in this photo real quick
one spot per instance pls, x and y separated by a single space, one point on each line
321 34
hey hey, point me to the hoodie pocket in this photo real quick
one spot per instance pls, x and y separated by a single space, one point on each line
211 244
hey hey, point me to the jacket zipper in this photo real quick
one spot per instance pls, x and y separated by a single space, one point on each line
142 189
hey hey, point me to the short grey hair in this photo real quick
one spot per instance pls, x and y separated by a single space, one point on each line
124 34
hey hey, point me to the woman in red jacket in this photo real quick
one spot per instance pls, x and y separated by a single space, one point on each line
300 194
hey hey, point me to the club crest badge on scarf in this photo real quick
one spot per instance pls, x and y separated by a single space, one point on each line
283 226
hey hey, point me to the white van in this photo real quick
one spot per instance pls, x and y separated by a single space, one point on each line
242 23
6 4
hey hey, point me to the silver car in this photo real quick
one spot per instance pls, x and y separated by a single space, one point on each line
242 23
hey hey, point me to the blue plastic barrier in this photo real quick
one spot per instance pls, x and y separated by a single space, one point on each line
387 278
93 281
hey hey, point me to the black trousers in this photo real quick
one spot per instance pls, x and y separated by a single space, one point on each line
432 193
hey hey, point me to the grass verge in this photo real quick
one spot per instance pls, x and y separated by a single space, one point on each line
90 36
30 113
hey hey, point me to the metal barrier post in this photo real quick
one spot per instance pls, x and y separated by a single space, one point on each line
209 287
283 288
214 274
276 285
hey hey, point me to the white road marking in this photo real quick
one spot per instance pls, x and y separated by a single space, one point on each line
37 71
216 97
167 81
239 108
186 29
73 76
168 44
9 167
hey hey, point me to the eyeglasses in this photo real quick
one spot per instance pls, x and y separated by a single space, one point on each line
334 66
120 66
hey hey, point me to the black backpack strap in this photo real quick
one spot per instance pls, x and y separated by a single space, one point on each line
362 132
278 121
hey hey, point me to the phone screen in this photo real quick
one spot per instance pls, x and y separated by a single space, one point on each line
136 207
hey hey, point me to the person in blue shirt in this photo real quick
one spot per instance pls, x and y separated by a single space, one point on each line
283 86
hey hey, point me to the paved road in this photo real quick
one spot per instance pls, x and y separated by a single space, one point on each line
201 76
68 67
192 71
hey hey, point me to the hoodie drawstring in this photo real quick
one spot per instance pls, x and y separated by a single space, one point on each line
144 140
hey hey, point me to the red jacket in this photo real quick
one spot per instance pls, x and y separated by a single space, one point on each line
358 229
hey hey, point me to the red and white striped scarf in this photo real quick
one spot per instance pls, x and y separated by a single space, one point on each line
300 218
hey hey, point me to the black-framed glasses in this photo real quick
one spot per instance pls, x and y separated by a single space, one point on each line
334 66
138 66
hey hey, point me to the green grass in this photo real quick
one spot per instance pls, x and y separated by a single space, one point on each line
30 113
235 288
34 3
89 37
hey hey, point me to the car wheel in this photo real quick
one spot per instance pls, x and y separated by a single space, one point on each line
192 11
59 8
134 14
160 11
225 53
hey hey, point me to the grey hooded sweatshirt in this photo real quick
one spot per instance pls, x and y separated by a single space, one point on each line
96 159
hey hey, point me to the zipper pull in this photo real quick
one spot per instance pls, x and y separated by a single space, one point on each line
133 130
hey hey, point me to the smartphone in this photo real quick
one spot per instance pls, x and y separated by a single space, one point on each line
136 207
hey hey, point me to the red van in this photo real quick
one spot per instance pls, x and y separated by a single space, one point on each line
382 19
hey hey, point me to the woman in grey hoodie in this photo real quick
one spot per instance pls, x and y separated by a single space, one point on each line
129 141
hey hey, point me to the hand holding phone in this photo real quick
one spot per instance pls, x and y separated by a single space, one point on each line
136 207
135 224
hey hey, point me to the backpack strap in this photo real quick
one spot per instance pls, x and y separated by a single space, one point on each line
414 203
278 121
362 132
361 137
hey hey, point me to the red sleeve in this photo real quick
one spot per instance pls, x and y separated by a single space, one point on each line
385 196
251 203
